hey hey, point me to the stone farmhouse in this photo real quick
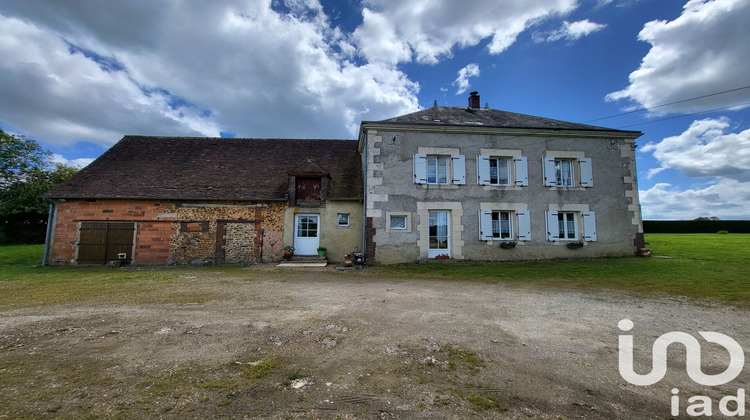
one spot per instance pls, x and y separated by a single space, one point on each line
445 182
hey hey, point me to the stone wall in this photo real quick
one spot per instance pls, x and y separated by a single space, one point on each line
178 233
154 227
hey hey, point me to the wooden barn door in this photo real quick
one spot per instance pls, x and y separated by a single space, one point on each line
100 242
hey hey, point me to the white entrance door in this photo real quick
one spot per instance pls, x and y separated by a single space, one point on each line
439 234
306 234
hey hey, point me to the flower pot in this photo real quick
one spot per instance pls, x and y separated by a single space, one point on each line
321 254
348 263
575 245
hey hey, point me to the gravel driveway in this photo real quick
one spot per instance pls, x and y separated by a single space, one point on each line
356 346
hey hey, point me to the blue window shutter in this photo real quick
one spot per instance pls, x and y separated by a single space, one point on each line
553 229
550 178
522 171
587 174
589 226
459 169
420 168
483 170
524 226
485 225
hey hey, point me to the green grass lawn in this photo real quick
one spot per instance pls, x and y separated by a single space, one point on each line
702 266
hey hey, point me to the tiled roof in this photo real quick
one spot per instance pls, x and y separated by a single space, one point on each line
212 169
486 117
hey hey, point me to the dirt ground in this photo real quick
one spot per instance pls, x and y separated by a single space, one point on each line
320 344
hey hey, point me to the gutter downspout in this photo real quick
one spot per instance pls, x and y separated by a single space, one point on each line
364 195
51 222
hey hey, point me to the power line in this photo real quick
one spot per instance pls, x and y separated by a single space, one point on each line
684 115
671 103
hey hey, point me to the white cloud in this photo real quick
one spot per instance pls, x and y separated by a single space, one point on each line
702 52
462 81
725 198
73 98
570 31
394 31
78 163
705 149
249 70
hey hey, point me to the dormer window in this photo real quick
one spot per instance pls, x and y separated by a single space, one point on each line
308 184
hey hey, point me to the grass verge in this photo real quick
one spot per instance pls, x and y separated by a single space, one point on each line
700 266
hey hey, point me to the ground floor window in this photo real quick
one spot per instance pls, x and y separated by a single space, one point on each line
397 222
501 225
567 226
571 226
439 233
343 219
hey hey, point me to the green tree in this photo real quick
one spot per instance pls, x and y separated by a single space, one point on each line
26 172
19 156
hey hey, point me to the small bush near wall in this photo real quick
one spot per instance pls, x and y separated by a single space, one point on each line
696 226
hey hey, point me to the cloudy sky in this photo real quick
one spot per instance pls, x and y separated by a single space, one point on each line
78 75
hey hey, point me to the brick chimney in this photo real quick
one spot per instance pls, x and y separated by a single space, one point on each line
474 100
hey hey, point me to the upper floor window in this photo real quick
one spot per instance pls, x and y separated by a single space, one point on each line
567 172
502 171
499 171
439 170
564 173
342 219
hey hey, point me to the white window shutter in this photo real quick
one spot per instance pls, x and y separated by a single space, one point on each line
459 169
483 170
587 174
550 178
420 168
485 225
524 226
522 171
589 226
553 229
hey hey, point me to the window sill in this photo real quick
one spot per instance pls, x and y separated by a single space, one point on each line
438 186
501 187
569 188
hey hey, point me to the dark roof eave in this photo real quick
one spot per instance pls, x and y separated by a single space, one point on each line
83 197
502 127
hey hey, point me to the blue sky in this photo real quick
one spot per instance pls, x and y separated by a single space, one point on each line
78 75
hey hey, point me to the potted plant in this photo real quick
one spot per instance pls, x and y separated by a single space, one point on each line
508 244
575 245
348 260
322 252
442 257
288 252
